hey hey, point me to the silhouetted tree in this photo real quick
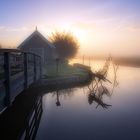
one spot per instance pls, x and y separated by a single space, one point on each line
66 44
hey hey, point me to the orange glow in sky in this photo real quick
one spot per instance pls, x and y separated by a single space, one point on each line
101 26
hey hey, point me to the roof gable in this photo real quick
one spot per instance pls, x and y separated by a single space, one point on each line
34 35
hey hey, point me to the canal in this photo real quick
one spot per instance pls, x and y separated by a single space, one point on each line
99 111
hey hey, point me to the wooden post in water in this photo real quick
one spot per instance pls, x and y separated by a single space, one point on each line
89 61
83 59
7 77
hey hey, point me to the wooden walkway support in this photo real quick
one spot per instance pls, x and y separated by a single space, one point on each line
32 121
18 70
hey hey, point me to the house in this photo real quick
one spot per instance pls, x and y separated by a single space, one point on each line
38 44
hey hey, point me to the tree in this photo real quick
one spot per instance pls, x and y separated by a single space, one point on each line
66 44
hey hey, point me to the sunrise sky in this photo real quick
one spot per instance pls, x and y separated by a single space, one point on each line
101 26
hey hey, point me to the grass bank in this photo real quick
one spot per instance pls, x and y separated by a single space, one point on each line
63 70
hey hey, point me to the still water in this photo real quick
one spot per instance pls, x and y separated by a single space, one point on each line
103 112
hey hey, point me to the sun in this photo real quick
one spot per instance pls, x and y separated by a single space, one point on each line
78 32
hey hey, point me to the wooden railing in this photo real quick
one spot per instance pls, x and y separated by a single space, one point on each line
18 70
32 121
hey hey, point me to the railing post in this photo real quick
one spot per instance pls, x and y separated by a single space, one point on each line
25 71
35 67
7 77
27 137
40 66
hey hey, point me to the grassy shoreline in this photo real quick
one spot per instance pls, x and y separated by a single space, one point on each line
63 70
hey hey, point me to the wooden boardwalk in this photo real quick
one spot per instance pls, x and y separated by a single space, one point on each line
18 70
21 120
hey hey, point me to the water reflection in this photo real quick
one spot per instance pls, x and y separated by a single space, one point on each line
96 95
57 99
65 93
97 111
32 121
115 82
25 115
98 88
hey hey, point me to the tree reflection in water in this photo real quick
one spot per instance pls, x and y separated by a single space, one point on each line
97 95
98 90
65 93
57 99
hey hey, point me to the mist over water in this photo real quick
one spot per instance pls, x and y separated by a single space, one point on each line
111 113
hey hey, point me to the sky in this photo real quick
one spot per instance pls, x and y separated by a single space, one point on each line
101 26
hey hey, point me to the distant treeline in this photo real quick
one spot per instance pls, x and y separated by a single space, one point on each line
130 61
126 61
7 47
